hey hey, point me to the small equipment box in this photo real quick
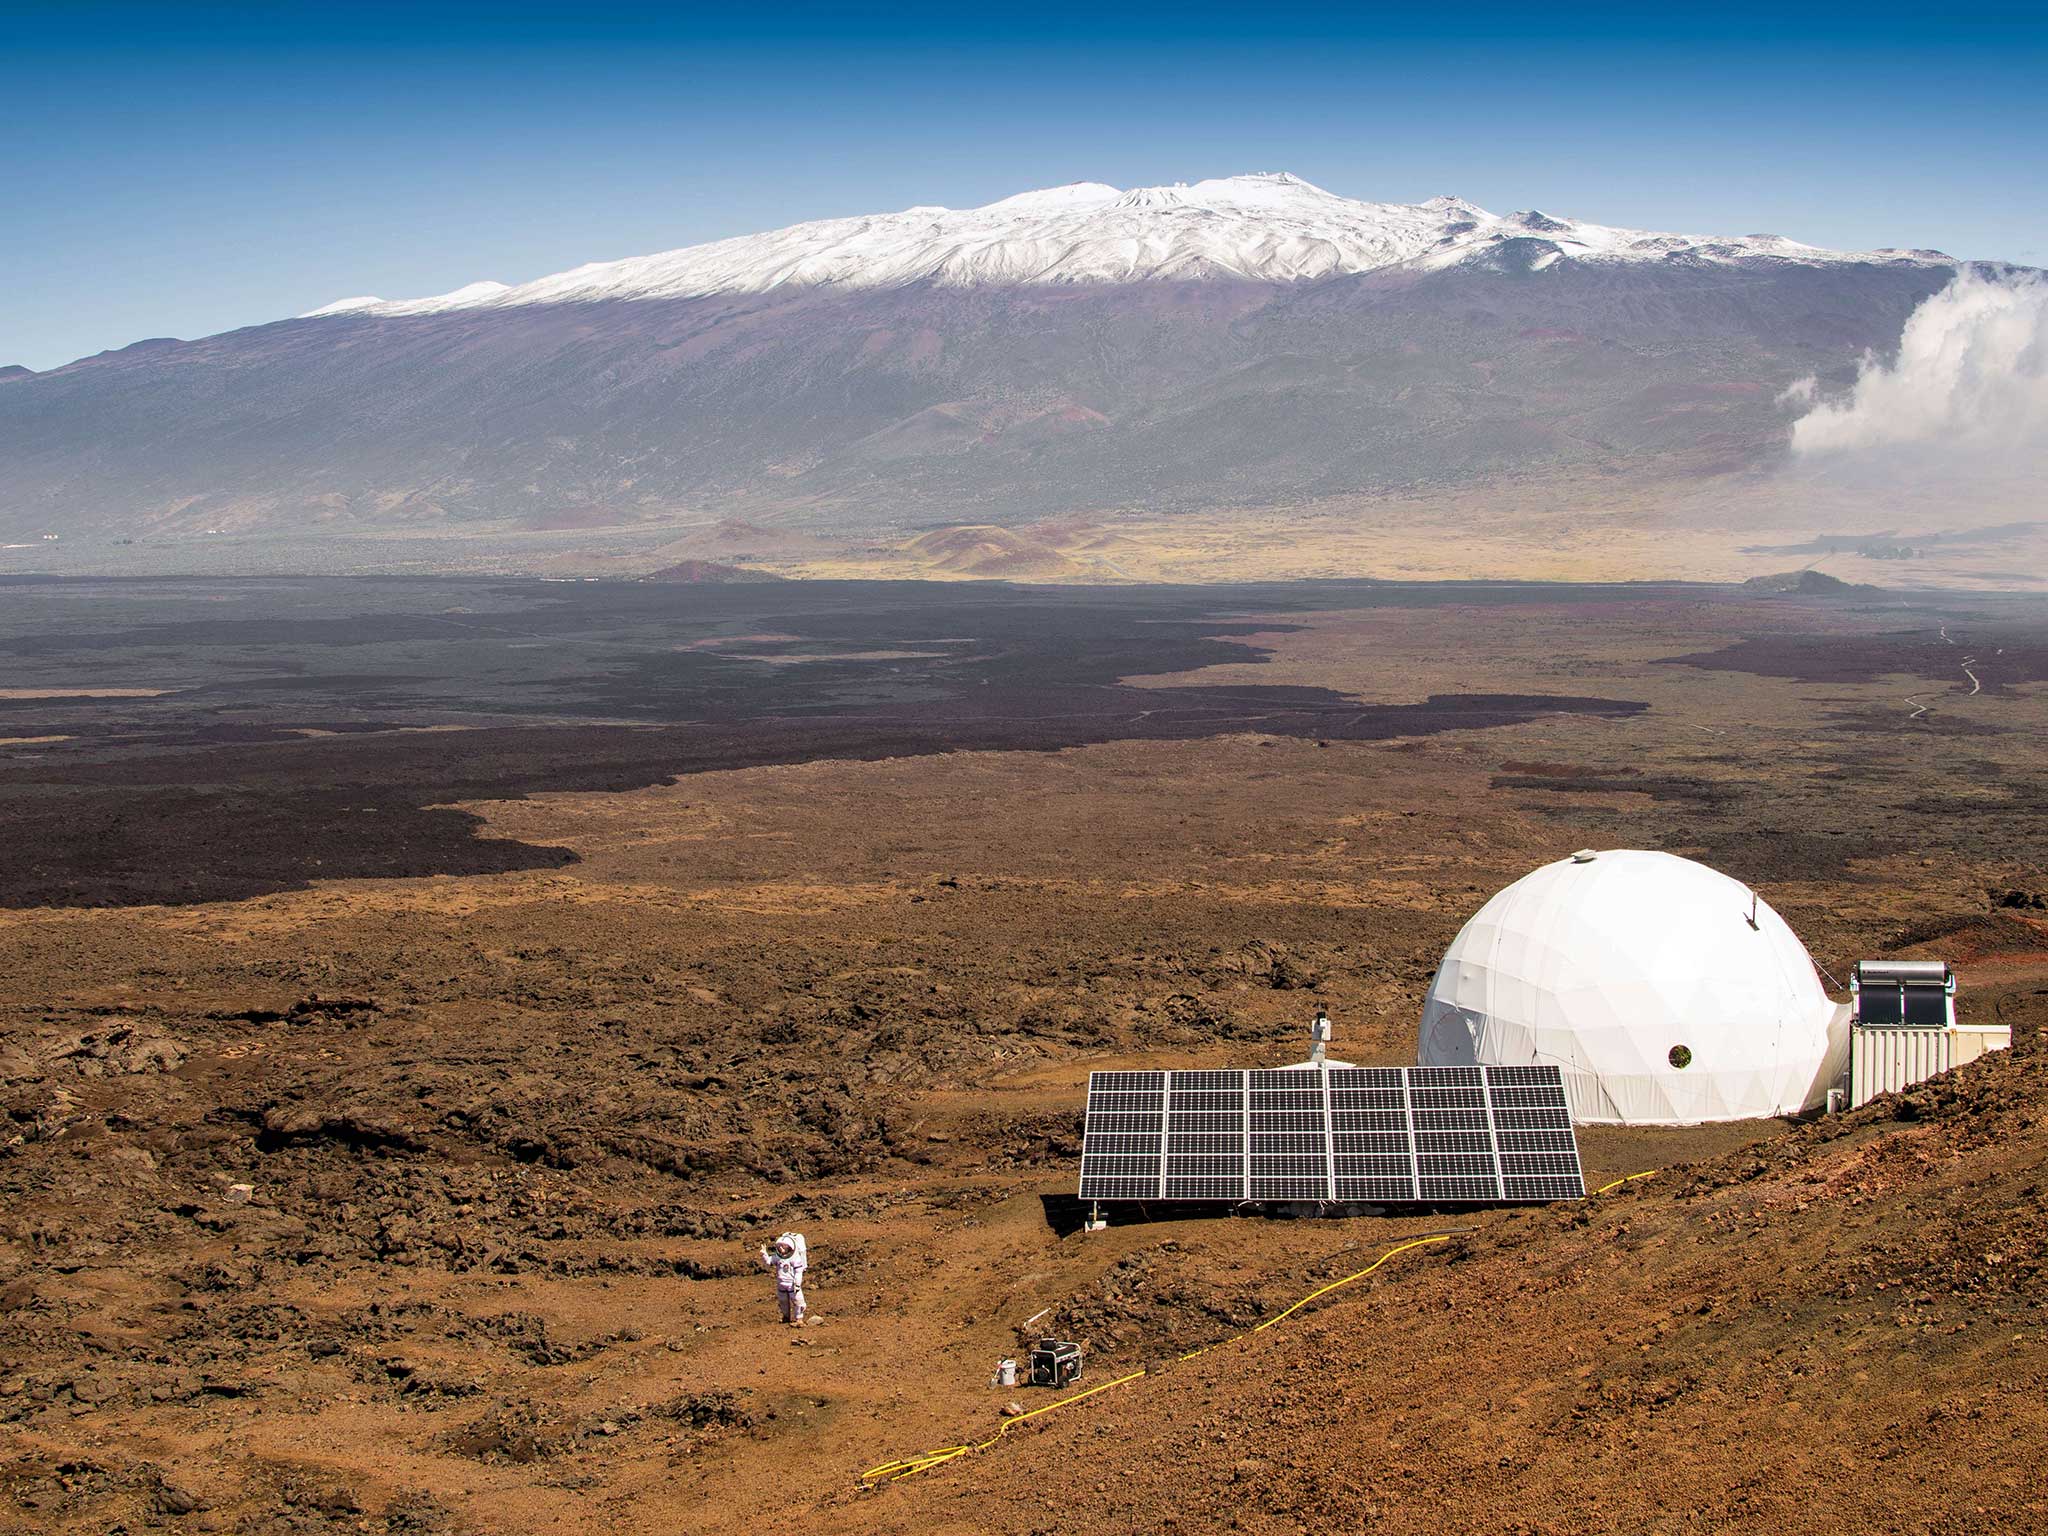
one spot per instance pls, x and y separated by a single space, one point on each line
1054 1364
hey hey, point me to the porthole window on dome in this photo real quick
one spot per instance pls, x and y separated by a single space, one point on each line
1680 1057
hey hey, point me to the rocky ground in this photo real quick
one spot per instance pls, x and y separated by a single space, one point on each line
428 1203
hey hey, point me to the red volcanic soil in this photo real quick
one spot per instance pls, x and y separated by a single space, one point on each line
422 1195
1836 1331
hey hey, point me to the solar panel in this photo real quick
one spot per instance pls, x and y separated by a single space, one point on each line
1290 1141
1372 1142
1121 1144
1368 1134
1926 1007
1532 1125
1205 1136
1454 1155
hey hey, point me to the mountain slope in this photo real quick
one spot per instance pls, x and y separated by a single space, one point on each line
1248 342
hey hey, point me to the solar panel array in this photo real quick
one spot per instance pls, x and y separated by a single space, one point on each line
1367 1134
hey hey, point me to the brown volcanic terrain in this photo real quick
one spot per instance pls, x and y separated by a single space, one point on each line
509 1134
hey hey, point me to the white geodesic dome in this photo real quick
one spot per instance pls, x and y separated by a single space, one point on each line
1669 993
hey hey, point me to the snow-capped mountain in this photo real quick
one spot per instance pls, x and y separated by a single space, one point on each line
1269 227
1254 341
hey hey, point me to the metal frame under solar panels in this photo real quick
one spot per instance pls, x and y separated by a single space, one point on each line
1380 1135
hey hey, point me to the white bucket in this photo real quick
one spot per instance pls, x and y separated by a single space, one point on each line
1006 1373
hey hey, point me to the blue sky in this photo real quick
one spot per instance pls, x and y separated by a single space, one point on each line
186 169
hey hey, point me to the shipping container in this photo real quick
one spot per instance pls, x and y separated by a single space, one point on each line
1885 1059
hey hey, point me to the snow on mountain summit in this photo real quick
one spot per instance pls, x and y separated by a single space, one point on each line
468 296
1268 227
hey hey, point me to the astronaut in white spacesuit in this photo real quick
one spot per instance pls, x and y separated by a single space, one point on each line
786 1262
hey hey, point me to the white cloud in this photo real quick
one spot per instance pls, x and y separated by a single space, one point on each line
1968 390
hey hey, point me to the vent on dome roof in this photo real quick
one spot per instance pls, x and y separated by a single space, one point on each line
1584 856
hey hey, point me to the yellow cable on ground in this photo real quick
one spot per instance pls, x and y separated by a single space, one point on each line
1627 1178
909 1466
